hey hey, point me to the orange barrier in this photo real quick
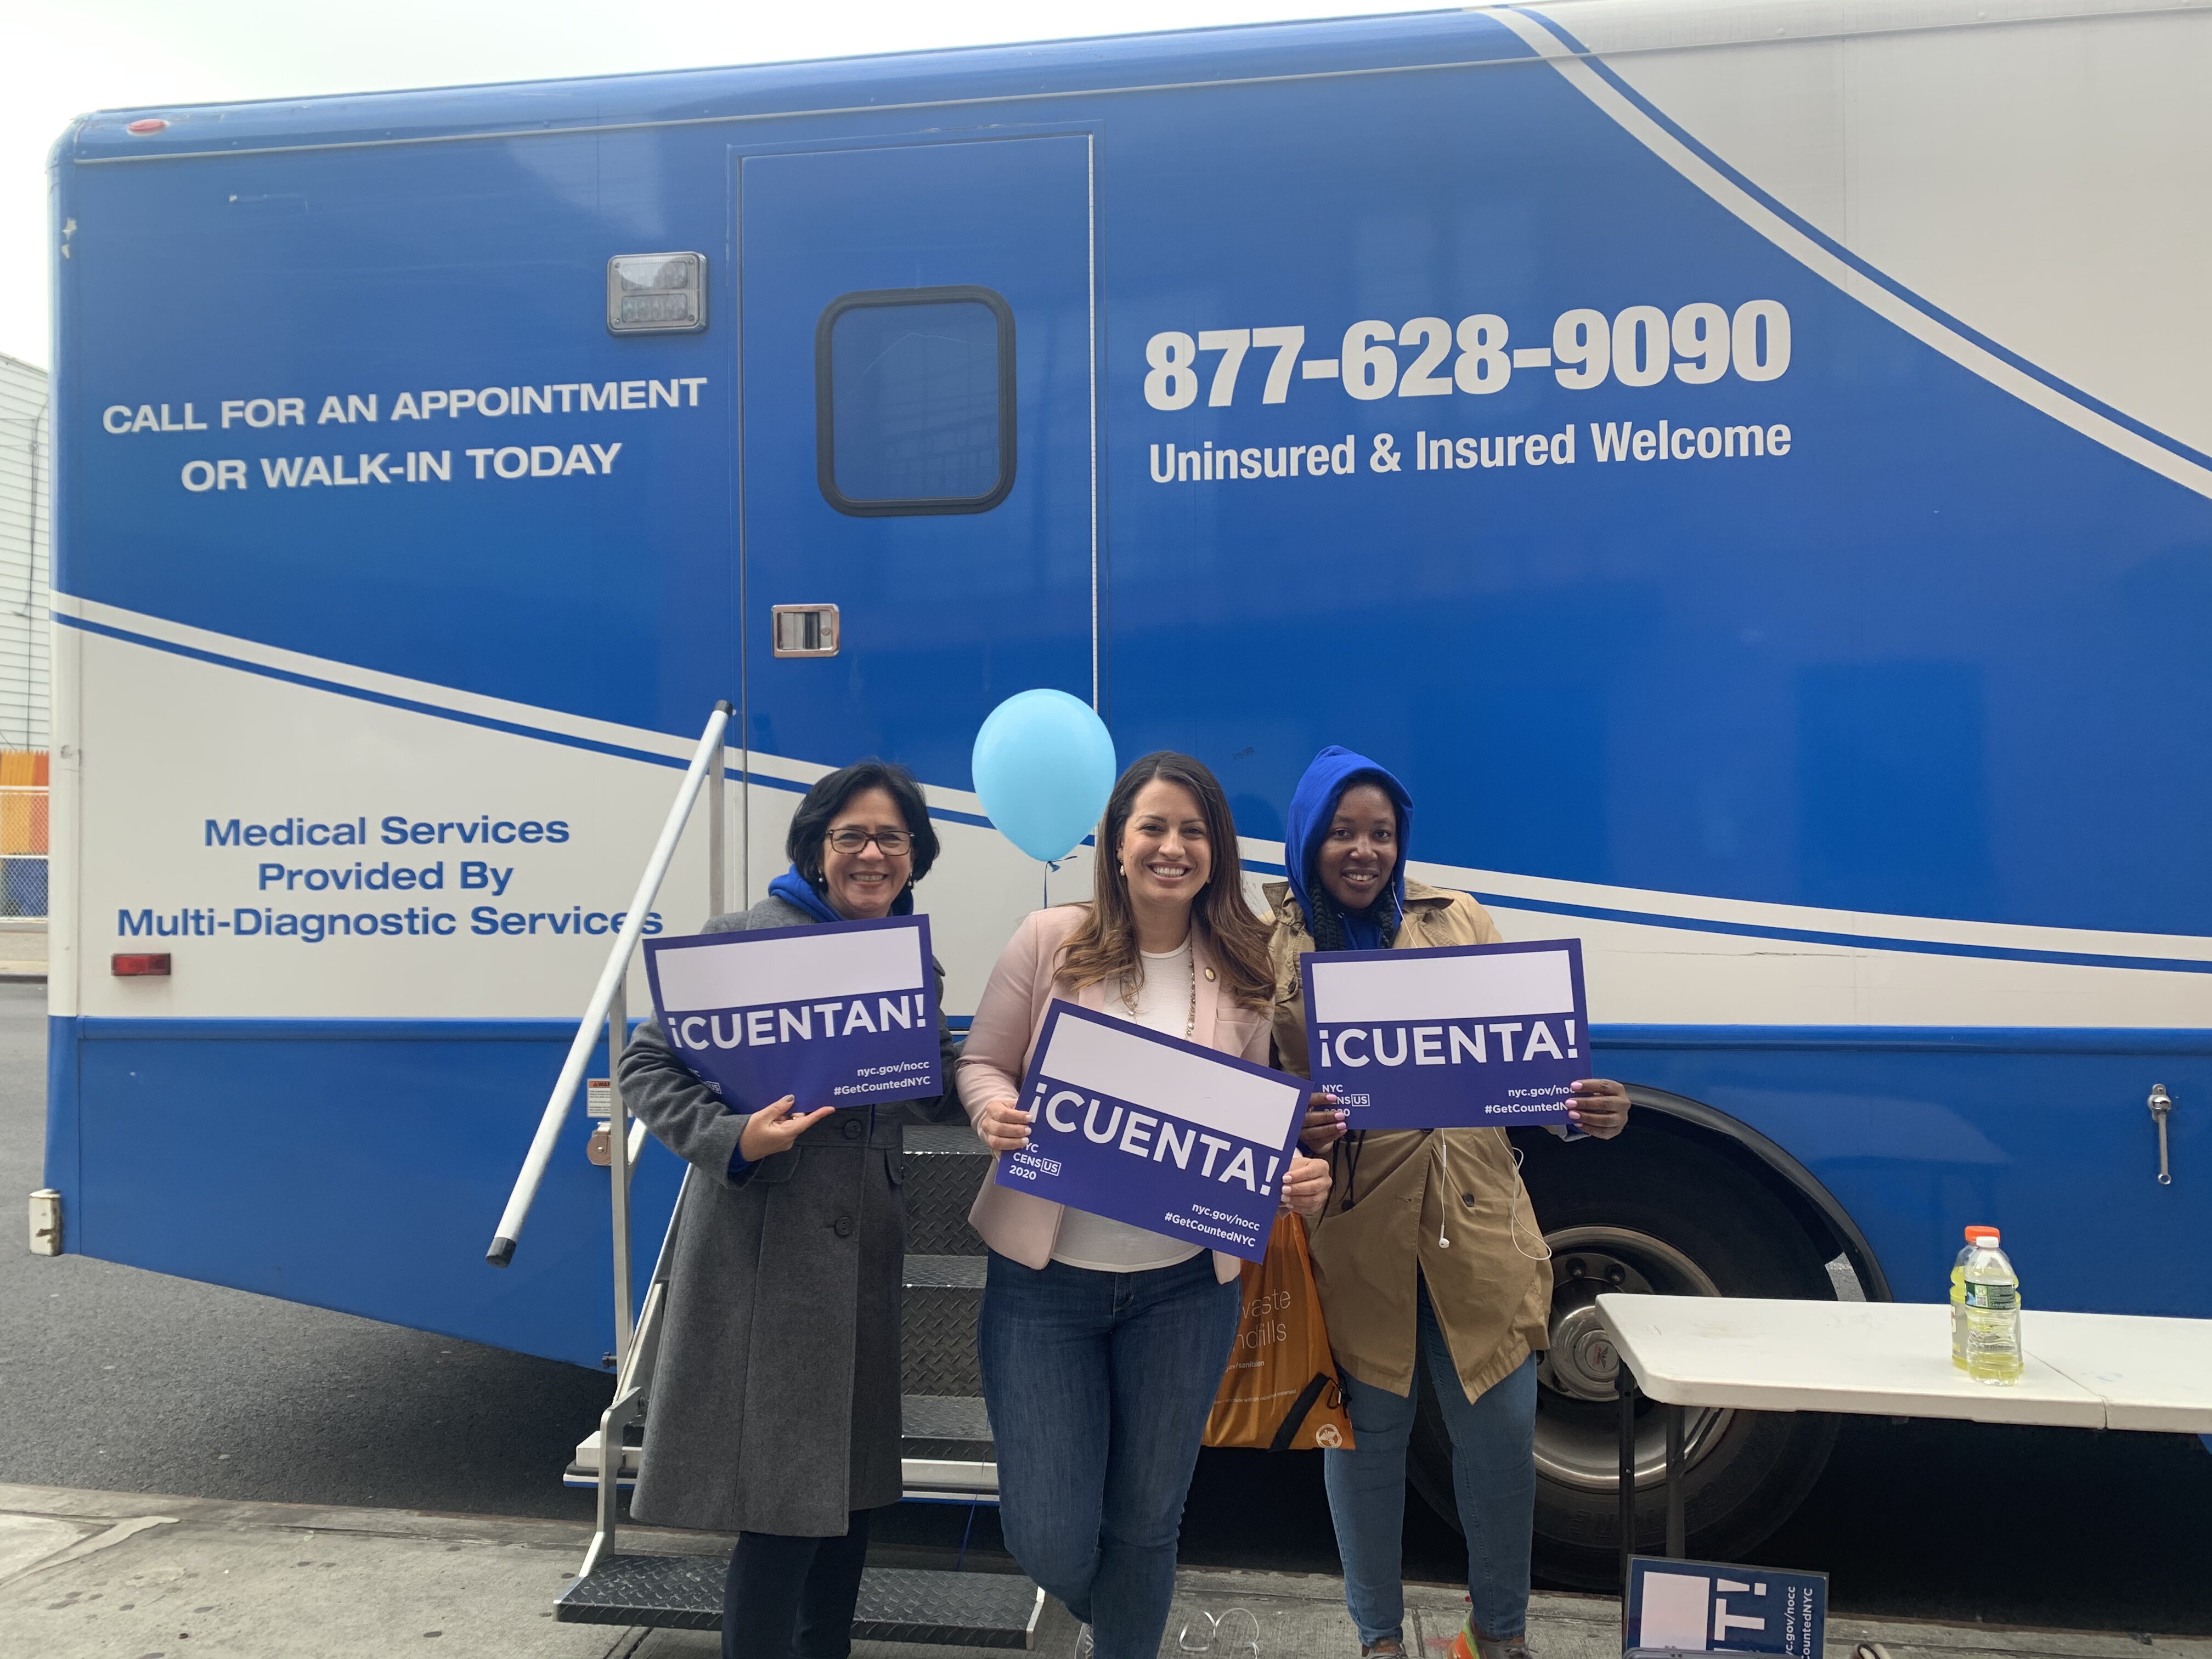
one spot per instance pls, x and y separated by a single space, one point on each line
22 801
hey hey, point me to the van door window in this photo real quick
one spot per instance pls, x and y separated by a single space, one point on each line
914 401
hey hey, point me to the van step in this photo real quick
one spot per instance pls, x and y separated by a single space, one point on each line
955 1418
948 1451
942 1301
897 1604
946 1441
945 1164
945 1272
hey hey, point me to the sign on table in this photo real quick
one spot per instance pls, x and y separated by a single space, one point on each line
1164 1134
843 1014
1458 1037
1708 1607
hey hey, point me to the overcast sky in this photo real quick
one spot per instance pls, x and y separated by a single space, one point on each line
67 57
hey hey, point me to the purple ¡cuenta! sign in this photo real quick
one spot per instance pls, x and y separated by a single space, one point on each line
843 1014
1457 1036
1161 1133
1710 1606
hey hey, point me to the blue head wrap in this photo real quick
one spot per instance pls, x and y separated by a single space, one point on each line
1313 806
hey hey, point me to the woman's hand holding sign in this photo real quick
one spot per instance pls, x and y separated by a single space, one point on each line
1305 1188
1002 1126
1598 1107
1324 1123
772 1129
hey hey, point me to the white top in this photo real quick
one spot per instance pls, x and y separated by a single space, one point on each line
1892 1359
1163 1005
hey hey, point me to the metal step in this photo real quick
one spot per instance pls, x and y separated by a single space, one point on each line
944 1139
946 1419
897 1604
937 1335
949 1455
944 1165
945 1443
944 1272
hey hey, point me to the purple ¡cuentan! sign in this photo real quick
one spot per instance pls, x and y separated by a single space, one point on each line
1453 1037
844 1014
1161 1133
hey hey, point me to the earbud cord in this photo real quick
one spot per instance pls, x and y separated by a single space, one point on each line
1512 1215
1443 1208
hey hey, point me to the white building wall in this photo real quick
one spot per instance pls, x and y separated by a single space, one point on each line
26 554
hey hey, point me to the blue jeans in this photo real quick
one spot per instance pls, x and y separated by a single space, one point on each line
1099 1385
1493 1475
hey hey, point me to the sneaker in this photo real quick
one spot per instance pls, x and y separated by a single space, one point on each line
1467 1645
1388 1647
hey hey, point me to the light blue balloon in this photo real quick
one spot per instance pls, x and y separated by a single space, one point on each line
1043 766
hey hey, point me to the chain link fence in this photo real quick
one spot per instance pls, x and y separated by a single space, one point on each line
24 809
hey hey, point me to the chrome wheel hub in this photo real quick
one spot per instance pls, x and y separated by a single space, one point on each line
1577 1415
1581 1361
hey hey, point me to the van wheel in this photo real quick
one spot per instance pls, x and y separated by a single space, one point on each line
1653 1213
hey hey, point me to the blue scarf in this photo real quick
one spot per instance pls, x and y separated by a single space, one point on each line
1313 806
796 890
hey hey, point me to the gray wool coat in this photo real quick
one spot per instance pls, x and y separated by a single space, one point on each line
775 1403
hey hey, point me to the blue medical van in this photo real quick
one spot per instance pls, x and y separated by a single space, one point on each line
1748 466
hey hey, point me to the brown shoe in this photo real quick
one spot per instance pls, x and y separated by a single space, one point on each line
1388 1647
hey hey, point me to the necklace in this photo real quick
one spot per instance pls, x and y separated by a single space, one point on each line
1190 1018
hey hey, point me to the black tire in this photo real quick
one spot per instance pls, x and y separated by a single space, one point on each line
1689 1219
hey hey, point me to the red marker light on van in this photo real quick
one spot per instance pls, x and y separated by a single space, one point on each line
125 964
151 123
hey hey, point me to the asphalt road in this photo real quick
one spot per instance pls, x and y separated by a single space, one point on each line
135 1382
126 1380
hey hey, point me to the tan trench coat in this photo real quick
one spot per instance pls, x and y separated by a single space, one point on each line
1379 1233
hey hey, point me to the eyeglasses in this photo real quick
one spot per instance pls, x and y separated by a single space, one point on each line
889 842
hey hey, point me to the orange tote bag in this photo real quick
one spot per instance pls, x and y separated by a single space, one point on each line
1280 1391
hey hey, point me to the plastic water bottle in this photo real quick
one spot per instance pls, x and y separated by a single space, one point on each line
1992 1308
1959 1295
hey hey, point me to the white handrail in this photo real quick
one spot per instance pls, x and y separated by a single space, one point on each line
705 760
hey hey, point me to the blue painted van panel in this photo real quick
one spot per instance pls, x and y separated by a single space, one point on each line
1902 675
360 1173
2050 1140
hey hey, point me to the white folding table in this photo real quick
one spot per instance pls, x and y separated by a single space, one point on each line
1890 1360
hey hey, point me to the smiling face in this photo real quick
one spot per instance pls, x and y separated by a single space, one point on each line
1361 848
861 886
1164 854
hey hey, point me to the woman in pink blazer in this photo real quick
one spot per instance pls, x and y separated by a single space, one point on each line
1103 1344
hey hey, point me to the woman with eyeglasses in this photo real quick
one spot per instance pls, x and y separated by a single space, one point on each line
775 1405
1103 1344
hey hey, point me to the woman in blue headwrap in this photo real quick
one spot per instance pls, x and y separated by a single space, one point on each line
1427 1250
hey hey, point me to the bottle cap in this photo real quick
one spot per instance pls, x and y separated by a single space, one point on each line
1974 1233
1988 1241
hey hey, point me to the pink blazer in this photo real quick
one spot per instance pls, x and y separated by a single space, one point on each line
1022 1225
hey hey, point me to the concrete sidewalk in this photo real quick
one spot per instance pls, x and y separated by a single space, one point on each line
22 949
124 1576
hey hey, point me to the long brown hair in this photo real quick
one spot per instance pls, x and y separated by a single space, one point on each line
1103 945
